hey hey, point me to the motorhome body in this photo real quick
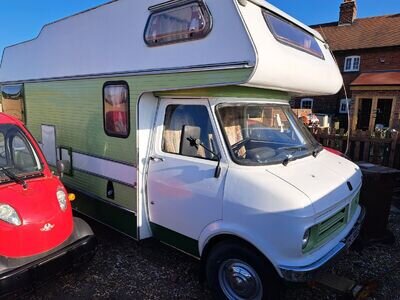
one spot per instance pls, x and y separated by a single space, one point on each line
119 92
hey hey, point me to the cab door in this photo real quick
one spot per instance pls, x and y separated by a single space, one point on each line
184 193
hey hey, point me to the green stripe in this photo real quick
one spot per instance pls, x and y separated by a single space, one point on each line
117 218
175 239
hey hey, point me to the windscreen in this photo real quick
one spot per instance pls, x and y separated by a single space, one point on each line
259 134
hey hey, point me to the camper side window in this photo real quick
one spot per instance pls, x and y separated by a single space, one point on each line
292 35
177 24
13 101
181 117
116 109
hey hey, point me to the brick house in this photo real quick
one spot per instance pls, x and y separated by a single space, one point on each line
368 54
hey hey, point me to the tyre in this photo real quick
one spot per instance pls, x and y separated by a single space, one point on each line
237 272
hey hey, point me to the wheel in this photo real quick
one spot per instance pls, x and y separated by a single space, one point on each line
236 272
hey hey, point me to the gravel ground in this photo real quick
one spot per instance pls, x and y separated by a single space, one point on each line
124 269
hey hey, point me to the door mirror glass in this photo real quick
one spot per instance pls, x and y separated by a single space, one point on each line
63 166
188 133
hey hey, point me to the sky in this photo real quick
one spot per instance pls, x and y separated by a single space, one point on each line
22 20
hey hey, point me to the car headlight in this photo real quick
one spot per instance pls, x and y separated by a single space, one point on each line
9 215
62 199
306 238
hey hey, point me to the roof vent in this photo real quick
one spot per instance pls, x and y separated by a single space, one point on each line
348 12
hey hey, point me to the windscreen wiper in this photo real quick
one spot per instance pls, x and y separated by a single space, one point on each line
14 177
290 157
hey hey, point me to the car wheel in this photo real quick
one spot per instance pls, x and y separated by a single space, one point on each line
237 272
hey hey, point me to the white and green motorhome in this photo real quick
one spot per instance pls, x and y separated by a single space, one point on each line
173 122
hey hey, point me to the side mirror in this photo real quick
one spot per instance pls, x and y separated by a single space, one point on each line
186 147
63 166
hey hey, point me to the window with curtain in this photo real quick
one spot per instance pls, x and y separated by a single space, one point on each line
178 24
116 109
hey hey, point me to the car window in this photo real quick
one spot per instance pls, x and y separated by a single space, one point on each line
195 116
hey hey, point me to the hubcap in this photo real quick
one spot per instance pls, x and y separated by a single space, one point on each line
239 281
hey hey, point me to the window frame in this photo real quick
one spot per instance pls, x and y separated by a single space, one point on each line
128 120
286 41
176 4
352 58
305 100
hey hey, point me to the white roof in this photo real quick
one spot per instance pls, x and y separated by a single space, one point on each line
108 40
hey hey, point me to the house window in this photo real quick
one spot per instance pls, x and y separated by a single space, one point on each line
116 109
352 64
343 106
178 23
292 35
306 103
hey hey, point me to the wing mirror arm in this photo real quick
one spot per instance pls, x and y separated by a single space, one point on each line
197 143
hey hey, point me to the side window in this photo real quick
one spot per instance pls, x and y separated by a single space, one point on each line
177 23
292 35
13 101
116 109
179 116
21 154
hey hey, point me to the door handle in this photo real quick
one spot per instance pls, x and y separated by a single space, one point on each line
156 158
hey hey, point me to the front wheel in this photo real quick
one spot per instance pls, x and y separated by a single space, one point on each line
237 272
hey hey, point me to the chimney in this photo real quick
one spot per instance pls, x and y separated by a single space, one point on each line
348 12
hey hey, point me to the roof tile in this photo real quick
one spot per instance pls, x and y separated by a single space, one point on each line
374 32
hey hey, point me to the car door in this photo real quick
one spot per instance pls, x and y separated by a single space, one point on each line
184 195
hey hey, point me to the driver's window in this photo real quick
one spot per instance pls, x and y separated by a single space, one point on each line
21 155
177 116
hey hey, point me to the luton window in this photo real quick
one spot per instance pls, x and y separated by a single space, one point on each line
181 23
292 35
116 109
13 100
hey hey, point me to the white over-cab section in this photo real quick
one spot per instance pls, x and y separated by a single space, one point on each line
109 40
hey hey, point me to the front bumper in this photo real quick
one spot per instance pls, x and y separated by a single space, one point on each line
309 272
18 273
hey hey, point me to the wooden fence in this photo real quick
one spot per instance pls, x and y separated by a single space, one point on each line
382 148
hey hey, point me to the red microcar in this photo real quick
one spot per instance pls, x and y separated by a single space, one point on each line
38 234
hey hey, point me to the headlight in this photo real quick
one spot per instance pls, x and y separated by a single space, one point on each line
306 238
9 215
62 199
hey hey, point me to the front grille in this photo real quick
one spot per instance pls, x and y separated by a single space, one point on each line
329 228
333 224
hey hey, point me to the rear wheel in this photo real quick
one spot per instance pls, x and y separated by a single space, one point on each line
237 272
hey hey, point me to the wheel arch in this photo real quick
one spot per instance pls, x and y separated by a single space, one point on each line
227 237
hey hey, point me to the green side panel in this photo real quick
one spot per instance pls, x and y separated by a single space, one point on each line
124 195
175 239
120 219
227 91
